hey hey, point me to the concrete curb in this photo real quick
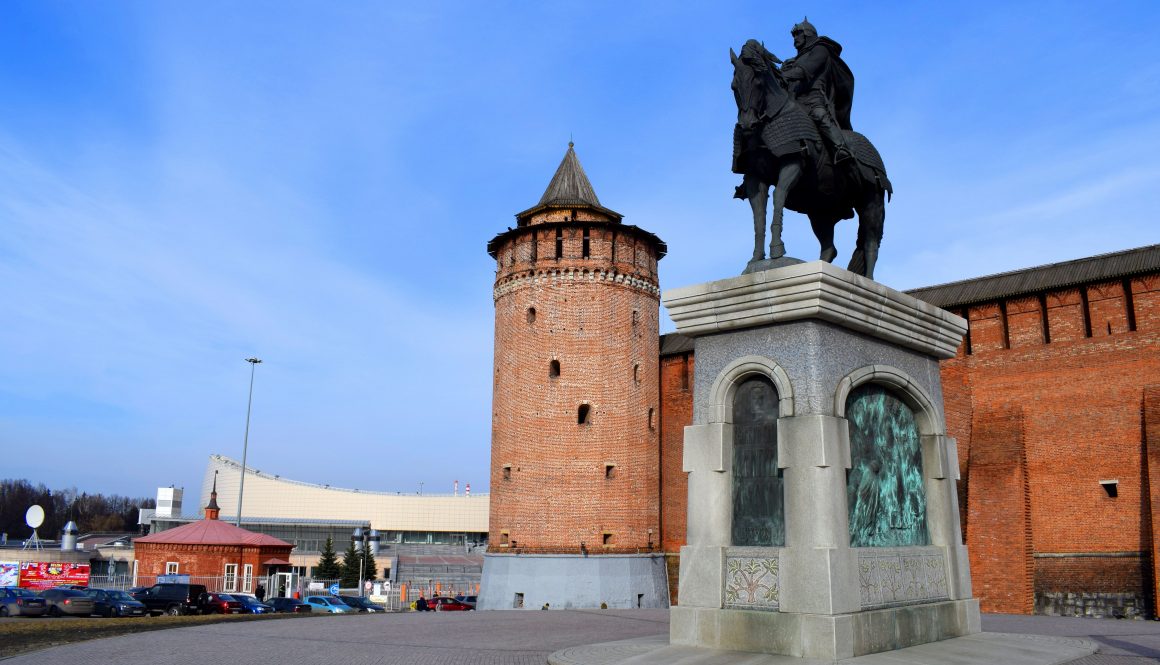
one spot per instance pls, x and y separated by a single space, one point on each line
981 648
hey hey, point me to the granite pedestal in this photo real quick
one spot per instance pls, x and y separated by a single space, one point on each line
817 332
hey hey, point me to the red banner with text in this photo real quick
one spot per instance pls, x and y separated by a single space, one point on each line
47 574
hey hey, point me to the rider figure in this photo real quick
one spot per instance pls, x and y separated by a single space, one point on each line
823 84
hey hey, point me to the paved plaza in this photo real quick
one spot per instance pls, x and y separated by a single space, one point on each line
485 638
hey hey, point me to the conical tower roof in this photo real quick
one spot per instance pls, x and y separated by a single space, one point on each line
570 185
569 188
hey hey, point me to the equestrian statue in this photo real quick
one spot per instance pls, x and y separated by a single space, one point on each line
793 134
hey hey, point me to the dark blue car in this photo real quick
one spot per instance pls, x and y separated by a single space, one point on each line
251 605
115 603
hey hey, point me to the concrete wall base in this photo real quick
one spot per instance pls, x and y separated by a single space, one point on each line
572 581
823 636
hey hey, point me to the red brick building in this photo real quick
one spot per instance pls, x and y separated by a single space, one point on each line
1054 398
211 552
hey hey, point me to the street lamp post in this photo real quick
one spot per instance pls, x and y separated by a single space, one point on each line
254 362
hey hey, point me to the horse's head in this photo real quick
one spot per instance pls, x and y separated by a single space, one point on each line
756 84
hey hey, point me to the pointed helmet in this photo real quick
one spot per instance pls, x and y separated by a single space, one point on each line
805 27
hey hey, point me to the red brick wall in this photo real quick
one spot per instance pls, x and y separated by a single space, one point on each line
1146 302
1080 398
203 560
1024 322
1108 311
1065 315
1151 407
1091 574
597 316
676 390
987 329
957 409
999 532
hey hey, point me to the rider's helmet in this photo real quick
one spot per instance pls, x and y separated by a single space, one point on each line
805 27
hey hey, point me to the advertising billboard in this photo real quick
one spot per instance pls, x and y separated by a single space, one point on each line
9 573
47 574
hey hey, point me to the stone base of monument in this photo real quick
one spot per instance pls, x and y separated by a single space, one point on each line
823 516
823 636
761 265
573 581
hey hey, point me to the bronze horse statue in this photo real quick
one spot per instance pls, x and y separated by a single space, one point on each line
775 144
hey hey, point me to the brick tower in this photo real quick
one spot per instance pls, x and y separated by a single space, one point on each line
575 514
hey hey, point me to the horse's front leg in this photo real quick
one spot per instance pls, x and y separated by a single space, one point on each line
758 194
787 178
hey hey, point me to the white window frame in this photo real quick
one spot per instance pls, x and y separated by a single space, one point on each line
231 577
248 578
171 567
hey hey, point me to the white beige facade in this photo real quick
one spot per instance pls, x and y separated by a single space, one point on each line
270 496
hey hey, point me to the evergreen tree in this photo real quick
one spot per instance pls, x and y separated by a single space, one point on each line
328 568
369 572
350 567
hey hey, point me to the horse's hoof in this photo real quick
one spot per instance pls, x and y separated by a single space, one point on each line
777 251
828 255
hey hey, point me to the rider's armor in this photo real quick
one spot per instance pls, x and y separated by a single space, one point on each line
817 77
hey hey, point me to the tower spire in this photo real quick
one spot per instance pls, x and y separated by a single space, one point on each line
570 185
211 508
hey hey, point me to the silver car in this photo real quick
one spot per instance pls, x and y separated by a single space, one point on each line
17 602
67 601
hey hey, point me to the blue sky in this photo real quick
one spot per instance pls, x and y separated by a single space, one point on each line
184 185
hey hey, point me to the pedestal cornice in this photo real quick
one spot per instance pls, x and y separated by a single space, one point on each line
815 290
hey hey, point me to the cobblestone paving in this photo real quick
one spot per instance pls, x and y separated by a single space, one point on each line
1121 642
487 638
443 638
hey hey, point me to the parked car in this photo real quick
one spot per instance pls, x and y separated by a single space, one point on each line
218 603
251 605
288 605
361 604
171 598
115 603
330 604
67 601
17 602
445 604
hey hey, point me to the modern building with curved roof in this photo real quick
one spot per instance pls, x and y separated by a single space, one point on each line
394 515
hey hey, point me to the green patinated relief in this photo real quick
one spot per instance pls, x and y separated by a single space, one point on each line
884 489
758 512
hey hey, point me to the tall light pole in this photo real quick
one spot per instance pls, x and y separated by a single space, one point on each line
254 362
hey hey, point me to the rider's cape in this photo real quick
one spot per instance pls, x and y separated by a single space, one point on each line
841 79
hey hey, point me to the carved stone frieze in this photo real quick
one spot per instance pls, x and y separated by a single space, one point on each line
752 581
903 576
